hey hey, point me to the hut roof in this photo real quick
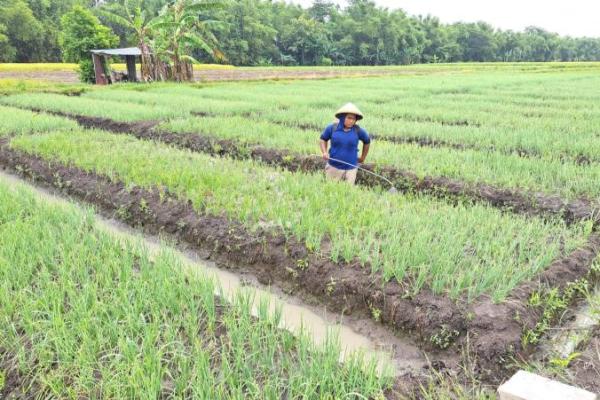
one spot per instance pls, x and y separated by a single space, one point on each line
127 51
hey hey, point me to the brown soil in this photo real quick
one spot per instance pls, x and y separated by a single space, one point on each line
585 370
417 118
53 76
512 200
16 386
494 332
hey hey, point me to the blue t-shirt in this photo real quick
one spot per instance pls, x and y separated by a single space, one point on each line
344 145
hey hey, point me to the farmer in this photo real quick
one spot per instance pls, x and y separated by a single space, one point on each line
342 158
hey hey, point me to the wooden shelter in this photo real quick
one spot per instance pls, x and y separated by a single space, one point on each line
99 59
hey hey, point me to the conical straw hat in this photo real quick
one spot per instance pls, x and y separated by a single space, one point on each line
349 108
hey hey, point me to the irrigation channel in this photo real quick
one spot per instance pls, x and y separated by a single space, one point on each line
394 354
577 330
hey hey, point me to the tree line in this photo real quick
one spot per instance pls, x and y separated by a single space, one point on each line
266 32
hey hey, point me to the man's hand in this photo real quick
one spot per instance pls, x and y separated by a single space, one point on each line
325 156
361 160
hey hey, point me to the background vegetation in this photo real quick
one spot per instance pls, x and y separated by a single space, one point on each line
264 32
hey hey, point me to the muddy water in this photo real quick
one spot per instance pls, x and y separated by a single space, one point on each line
395 355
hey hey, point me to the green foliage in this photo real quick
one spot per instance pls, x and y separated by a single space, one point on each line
180 29
444 337
7 52
306 40
81 32
552 302
262 32
86 71
22 31
563 363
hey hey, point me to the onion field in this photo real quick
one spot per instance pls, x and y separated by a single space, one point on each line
491 237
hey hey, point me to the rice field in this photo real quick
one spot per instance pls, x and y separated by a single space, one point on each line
114 316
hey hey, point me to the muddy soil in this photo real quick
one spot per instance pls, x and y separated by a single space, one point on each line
16 385
495 329
512 200
417 118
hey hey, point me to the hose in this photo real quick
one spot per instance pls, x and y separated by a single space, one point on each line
392 187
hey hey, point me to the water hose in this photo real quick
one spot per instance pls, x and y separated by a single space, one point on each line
392 187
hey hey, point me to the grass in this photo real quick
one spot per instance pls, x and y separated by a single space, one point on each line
84 315
97 108
14 86
19 122
461 250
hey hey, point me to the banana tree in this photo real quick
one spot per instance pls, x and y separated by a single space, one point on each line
130 15
179 30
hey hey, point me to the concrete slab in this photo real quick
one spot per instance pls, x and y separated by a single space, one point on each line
527 386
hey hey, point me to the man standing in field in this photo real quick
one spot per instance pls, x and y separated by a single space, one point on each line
342 157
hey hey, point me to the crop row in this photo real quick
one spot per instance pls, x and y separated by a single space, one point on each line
481 120
16 122
478 111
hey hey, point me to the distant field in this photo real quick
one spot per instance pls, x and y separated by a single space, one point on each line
66 73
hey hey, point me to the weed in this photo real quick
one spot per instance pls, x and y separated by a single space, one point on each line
302 264
330 287
444 337
553 303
